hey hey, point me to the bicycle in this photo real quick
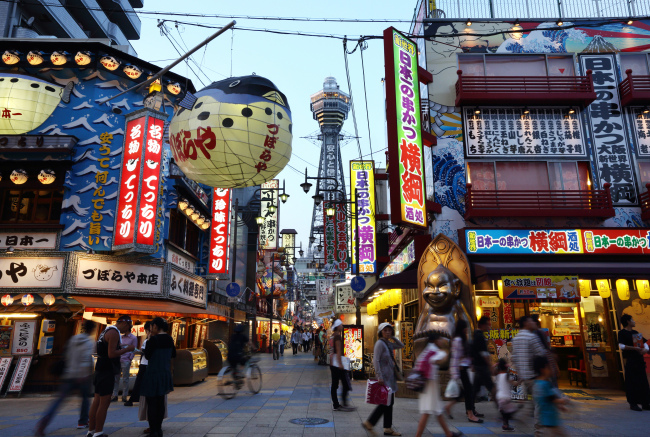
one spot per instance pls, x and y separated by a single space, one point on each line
228 386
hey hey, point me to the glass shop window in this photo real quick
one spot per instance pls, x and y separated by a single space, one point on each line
30 206
637 62
522 65
644 174
183 233
529 175
481 175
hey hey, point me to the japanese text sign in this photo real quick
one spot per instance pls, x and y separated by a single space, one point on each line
220 231
608 130
540 287
353 345
269 229
23 339
189 288
35 272
181 260
289 243
408 200
28 240
335 238
139 186
641 123
362 188
99 193
100 275
631 241
20 375
509 132
401 262
5 362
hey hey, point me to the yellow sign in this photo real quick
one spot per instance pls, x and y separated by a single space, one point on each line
362 187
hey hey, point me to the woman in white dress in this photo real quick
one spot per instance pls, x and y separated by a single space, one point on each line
430 402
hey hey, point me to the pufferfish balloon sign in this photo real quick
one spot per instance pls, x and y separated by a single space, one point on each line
237 134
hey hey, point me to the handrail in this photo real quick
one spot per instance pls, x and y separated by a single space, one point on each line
634 89
644 201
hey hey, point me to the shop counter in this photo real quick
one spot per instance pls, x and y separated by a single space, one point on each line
190 366
133 371
217 355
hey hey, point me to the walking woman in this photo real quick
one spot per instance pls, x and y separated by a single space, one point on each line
386 370
430 402
339 374
157 381
460 364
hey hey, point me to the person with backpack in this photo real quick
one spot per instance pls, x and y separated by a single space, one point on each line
77 374
429 400
459 366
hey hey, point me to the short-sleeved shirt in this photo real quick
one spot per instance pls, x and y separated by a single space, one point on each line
479 348
635 339
275 336
544 395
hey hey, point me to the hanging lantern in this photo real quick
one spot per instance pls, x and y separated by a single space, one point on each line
82 58
200 220
35 57
479 312
516 31
500 288
244 124
182 204
132 71
27 299
195 215
156 85
109 63
603 288
585 287
59 58
18 176
48 299
623 289
575 313
188 210
10 57
46 176
643 287
206 224
7 300
174 88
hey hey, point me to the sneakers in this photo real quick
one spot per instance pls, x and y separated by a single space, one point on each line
390 431
345 408
81 425
507 428
128 404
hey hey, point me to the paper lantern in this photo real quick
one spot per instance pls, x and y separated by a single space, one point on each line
188 210
18 176
195 215
603 288
7 300
206 224
27 299
82 58
35 57
643 287
585 287
582 313
132 71
200 220
174 88
48 299
623 289
59 58
46 176
237 134
500 287
109 63
10 57
479 312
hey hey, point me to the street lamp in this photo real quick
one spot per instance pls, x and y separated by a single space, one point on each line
318 198
312 239
284 197
272 208
259 220
330 211
306 186
319 248
301 253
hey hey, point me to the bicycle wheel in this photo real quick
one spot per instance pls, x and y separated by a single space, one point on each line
226 386
254 378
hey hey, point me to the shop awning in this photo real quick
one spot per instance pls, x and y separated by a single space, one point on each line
407 279
146 307
482 271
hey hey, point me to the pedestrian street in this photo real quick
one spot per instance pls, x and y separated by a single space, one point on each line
296 387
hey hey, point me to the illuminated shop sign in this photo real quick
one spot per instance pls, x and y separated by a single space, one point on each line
630 241
540 287
404 130
404 259
362 187
335 238
220 231
269 229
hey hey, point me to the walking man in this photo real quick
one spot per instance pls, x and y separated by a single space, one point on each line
634 347
275 338
482 362
295 340
77 375
109 351
305 341
125 366
283 342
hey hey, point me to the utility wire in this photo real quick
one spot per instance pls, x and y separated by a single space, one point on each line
362 47
164 31
293 154
347 74
191 58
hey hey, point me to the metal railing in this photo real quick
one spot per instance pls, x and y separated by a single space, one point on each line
635 89
644 201
538 203
534 9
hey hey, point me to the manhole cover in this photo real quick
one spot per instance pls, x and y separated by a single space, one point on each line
308 421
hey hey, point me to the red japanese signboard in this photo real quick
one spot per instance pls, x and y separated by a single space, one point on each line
220 232
150 182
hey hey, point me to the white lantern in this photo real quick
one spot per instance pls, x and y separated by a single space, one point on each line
7 300
206 224
27 299
132 71
109 63
174 88
82 58
195 215
10 57
46 176
35 57
18 176
59 58
48 299
182 204
200 220
244 125
188 210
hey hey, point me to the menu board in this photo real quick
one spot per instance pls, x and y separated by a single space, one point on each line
540 287
353 345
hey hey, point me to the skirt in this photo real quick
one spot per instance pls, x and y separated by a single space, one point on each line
142 411
430 402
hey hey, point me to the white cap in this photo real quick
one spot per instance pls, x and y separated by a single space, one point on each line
336 324
384 325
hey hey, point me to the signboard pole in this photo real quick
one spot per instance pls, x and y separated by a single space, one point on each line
231 322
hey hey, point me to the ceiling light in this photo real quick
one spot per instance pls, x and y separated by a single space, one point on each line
468 23
560 23
477 110
630 21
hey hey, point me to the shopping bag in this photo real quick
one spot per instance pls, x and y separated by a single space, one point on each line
345 362
416 382
377 393
453 390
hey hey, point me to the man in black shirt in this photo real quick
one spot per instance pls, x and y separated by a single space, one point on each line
236 349
482 362
634 347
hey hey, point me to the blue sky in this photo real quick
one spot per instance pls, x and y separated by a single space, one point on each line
296 64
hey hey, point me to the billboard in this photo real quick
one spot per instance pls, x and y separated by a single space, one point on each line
362 188
220 231
269 229
335 238
406 158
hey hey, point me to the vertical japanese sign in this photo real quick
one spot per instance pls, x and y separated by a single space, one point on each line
407 194
20 375
269 229
139 186
335 238
608 130
23 340
95 228
220 232
289 242
362 188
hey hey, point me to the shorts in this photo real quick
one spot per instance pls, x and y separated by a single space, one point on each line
104 382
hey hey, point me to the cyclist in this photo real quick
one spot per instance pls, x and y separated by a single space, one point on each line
237 349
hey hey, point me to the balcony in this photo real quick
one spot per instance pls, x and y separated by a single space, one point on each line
644 200
635 90
517 90
540 203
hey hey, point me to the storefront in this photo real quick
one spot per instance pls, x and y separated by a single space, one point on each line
577 282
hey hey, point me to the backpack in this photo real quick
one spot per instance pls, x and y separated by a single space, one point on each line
417 379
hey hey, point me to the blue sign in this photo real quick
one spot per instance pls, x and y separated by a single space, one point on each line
233 289
358 283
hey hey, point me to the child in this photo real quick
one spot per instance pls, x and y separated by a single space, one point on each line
547 401
504 400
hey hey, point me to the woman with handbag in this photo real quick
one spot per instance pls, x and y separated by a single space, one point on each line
459 367
429 401
337 368
388 374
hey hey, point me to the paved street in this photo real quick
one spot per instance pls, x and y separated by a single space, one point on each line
295 387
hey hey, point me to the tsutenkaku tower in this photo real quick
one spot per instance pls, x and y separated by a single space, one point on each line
330 107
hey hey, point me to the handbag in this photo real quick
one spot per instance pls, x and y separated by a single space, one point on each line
453 390
377 394
416 382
